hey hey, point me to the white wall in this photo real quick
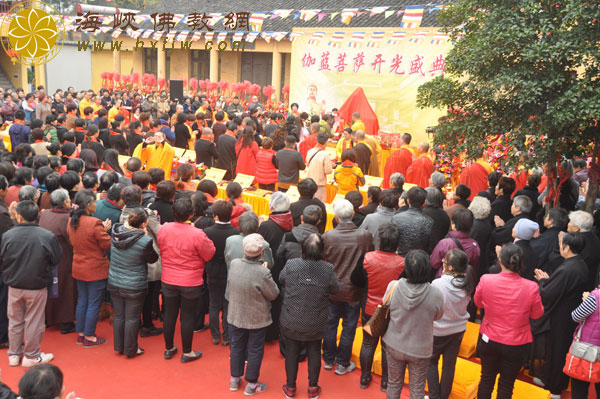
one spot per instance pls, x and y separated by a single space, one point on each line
69 68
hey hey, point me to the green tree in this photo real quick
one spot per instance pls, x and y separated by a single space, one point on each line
524 71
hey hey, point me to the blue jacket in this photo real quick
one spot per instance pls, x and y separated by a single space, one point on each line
131 250
18 134
107 210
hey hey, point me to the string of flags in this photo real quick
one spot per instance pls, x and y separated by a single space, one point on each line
336 39
412 16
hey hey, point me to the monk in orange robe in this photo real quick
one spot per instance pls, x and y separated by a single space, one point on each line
475 176
420 170
398 161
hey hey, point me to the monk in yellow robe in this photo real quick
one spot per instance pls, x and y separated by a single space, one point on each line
357 124
156 153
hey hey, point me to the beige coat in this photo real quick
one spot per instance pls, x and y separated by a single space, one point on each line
318 165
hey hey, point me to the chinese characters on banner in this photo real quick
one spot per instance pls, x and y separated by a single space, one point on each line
91 22
390 63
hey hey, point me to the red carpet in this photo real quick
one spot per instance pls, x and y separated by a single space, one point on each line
100 373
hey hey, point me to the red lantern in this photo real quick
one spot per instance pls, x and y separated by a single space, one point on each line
161 83
194 83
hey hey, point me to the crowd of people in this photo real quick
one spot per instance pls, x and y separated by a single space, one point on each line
81 230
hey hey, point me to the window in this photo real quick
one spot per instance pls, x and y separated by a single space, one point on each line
150 61
200 64
257 67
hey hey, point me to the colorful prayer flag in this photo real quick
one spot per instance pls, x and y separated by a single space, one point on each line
209 36
197 36
413 15
418 37
375 39
336 39
171 35
266 36
256 21
251 36
281 13
182 36
295 35
237 36
279 35
316 38
348 14
147 33
439 38
397 37
307 15
116 33
356 39
221 37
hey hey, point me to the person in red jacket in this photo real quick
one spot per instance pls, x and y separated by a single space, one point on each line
184 251
510 301
378 268
246 150
266 166
90 241
310 141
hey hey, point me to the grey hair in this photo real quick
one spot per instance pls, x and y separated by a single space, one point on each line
206 131
481 207
27 193
583 220
343 210
360 135
248 222
434 197
58 197
438 179
279 202
312 214
523 202
397 180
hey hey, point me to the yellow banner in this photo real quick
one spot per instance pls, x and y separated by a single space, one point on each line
388 64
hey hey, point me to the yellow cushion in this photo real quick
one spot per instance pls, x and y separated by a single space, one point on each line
469 342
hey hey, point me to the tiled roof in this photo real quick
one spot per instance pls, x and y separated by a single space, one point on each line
278 24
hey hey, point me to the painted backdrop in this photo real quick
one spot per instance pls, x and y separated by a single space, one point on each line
328 65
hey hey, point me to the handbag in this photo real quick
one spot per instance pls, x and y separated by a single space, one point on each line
583 359
378 323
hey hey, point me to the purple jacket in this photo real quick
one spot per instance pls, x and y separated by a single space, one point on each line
469 245
591 328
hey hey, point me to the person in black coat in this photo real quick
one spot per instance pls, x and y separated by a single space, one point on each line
280 222
523 232
481 231
501 206
182 133
227 158
546 245
582 222
205 148
135 136
216 269
531 191
373 194
6 223
553 332
493 179
307 189
503 232
163 204
441 221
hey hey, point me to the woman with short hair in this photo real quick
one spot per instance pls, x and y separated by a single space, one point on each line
414 306
306 284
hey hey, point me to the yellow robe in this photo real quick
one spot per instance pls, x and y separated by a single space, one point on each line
112 113
375 155
153 157
84 104
358 125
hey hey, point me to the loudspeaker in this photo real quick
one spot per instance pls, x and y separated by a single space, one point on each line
176 90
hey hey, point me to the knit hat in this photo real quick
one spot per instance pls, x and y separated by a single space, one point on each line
525 229
253 245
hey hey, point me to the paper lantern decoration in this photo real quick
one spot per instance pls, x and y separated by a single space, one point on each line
194 83
254 89
117 77
223 85
203 84
286 89
161 83
135 77
103 75
212 86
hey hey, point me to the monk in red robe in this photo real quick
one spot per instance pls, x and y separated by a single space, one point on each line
420 170
475 176
310 141
399 161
